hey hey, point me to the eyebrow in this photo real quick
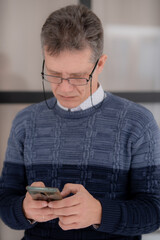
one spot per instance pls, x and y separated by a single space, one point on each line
71 74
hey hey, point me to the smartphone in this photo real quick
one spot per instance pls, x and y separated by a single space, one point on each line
44 193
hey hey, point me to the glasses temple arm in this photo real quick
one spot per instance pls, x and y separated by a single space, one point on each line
90 76
42 73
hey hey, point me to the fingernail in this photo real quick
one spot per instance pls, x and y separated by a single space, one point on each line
44 204
50 205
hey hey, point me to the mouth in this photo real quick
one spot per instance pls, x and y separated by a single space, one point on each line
67 97
68 101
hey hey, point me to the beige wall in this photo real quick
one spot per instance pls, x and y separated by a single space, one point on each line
20 62
20 49
21 59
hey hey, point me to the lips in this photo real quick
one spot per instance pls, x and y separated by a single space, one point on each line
67 97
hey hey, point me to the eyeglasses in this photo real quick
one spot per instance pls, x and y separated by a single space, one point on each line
72 81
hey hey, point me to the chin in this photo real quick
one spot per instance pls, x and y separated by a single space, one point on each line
67 105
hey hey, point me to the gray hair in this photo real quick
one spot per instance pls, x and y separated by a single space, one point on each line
73 27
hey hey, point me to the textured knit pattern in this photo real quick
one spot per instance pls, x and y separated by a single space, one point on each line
112 150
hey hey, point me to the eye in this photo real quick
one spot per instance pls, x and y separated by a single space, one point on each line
54 74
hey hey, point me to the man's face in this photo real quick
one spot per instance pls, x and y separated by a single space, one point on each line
69 64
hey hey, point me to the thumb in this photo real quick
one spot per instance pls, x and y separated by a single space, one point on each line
37 184
71 188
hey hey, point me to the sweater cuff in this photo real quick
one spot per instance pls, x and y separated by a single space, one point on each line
21 219
13 216
111 215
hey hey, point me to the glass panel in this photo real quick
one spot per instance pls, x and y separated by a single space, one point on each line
132 43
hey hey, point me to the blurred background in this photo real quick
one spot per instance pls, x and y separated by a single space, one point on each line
132 43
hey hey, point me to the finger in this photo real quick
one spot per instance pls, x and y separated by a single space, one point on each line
35 203
68 220
71 188
38 184
40 215
45 218
64 203
65 211
69 226
42 211
38 204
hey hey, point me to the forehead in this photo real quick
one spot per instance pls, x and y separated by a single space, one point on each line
69 61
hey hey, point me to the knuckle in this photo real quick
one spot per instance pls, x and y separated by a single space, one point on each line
64 227
67 185
68 201
63 220
81 198
81 187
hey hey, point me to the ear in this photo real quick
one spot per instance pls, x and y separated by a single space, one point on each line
101 63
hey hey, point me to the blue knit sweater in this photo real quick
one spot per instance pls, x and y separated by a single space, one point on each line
112 150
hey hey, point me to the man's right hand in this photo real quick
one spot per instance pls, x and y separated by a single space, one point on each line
36 210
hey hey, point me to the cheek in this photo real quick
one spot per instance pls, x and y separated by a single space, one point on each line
85 89
54 88
82 92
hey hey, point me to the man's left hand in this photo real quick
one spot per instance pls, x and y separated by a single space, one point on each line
78 211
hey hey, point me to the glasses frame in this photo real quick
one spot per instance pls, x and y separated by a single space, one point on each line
68 79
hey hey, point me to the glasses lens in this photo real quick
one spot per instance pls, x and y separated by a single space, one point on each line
52 79
58 80
78 81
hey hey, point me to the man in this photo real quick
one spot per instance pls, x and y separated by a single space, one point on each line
101 151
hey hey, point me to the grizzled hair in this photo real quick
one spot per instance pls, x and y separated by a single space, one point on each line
74 27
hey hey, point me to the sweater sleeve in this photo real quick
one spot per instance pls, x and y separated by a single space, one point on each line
13 179
140 213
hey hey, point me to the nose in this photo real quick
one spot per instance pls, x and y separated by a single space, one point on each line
65 86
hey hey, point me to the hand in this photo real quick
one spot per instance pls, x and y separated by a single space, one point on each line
78 211
35 209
